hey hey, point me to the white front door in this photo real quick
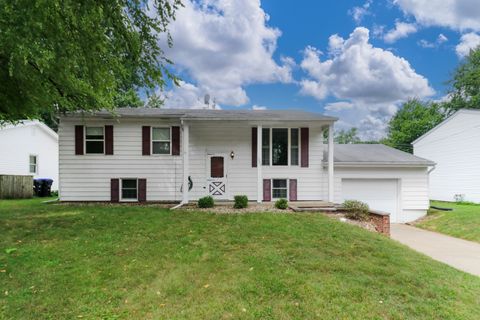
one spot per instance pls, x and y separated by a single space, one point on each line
379 194
217 176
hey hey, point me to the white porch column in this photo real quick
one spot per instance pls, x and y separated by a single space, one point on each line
259 165
330 164
186 165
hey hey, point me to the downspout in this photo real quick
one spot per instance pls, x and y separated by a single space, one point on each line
432 168
182 202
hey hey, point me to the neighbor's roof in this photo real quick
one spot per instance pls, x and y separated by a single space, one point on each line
28 123
374 155
203 114
441 124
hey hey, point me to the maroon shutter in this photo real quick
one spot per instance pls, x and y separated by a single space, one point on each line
114 190
78 140
267 190
293 189
108 139
254 147
142 190
175 141
304 146
146 140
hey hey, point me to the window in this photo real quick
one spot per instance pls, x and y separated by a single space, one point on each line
280 147
129 189
94 140
161 140
279 188
294 143
33 164
266 146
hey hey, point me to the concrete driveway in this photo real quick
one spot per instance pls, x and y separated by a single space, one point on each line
461 254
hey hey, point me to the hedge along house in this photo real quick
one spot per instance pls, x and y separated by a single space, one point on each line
143 154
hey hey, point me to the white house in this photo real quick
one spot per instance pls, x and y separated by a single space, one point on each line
455 147
29 148
181 155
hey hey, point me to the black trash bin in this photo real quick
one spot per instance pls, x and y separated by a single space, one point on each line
43 187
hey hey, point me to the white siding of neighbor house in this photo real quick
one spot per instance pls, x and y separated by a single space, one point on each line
413 187
87 177
19 142
455 147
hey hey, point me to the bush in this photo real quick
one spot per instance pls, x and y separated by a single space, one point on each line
206 202
356 210
240 202
281 204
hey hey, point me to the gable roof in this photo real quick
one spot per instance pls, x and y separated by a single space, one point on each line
203 114
374 155
29 123
441 124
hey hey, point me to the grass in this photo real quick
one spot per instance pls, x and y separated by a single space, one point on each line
132 262
463 222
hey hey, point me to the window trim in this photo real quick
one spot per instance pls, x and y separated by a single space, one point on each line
289 151
287 180
30 164
121 198
151 141
85 140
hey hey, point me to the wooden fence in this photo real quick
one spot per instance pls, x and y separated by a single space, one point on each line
16 187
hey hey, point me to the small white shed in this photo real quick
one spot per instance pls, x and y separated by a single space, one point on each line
29 148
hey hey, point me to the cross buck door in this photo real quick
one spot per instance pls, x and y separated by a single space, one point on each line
217 176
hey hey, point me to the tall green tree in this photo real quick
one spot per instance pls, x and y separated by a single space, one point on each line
347 136
412 120
64 55
465 85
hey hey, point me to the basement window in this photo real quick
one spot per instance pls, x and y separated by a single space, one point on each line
129 189
279 188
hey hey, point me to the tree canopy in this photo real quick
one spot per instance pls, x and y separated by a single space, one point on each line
411 121
64 55
347 136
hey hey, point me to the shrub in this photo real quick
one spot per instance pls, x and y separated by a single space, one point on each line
240 202
281 204
356 210
206 202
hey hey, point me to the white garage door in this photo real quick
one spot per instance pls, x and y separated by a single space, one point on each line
379 194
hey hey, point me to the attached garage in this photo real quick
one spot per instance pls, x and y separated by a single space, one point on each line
386 179
379 194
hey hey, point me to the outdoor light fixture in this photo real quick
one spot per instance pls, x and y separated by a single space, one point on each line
232 154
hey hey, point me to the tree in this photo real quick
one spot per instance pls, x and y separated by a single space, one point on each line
155 101
65 55
347 136
465 85
411 121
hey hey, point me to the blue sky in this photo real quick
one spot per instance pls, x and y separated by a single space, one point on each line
358 60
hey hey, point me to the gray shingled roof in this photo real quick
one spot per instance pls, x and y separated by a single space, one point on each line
374 154
201 114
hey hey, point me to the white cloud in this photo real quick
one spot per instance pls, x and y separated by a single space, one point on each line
373 80
339 106
455 14
401 30
186 95
468 41
427 44
224 45
256 107
358 13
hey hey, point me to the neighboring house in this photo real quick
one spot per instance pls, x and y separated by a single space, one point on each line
454 145
143 154
29 148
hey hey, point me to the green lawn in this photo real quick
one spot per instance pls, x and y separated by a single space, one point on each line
131 262
463 222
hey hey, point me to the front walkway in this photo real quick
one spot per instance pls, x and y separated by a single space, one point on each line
458 253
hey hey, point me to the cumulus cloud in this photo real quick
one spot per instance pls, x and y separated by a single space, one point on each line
224 45
401 30
256 107
339 106
455 14
186 95
468 41
358 13
373 80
